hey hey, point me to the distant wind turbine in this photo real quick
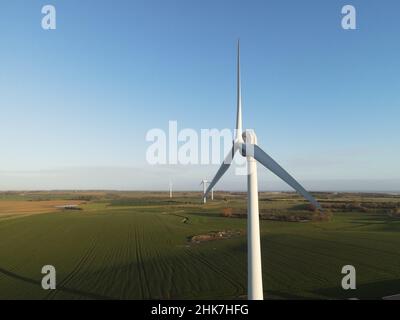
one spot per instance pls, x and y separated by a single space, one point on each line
170 190
246 143
204 183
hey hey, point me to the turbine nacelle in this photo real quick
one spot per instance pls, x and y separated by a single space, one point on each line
246 148
249 137
238 137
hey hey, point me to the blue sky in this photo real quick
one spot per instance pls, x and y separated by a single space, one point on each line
76 102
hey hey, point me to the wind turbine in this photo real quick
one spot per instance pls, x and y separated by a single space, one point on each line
204 183
212 194
170 190
246 143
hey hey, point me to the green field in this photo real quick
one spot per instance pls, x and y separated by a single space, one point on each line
137 246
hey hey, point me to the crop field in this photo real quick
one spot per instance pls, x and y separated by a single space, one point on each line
137 245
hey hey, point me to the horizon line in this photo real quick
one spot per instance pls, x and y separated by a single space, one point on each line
194 190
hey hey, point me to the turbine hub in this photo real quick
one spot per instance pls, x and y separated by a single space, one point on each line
249 136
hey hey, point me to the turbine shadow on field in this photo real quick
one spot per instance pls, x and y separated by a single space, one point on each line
87 295
279 295
207 214
373 291
385 223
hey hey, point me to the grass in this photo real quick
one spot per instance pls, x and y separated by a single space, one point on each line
134 246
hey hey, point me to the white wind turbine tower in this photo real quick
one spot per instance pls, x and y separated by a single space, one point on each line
204 183
170 190
246 143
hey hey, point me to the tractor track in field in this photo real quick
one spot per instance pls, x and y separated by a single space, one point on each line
131 251
321 252
164 268
16 267
61 287
144 283
239 288
86 256
129 255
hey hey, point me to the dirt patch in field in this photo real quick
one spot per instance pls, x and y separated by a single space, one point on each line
22 208
215 235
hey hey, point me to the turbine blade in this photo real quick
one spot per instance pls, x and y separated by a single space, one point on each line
239 127
221 171
272 165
